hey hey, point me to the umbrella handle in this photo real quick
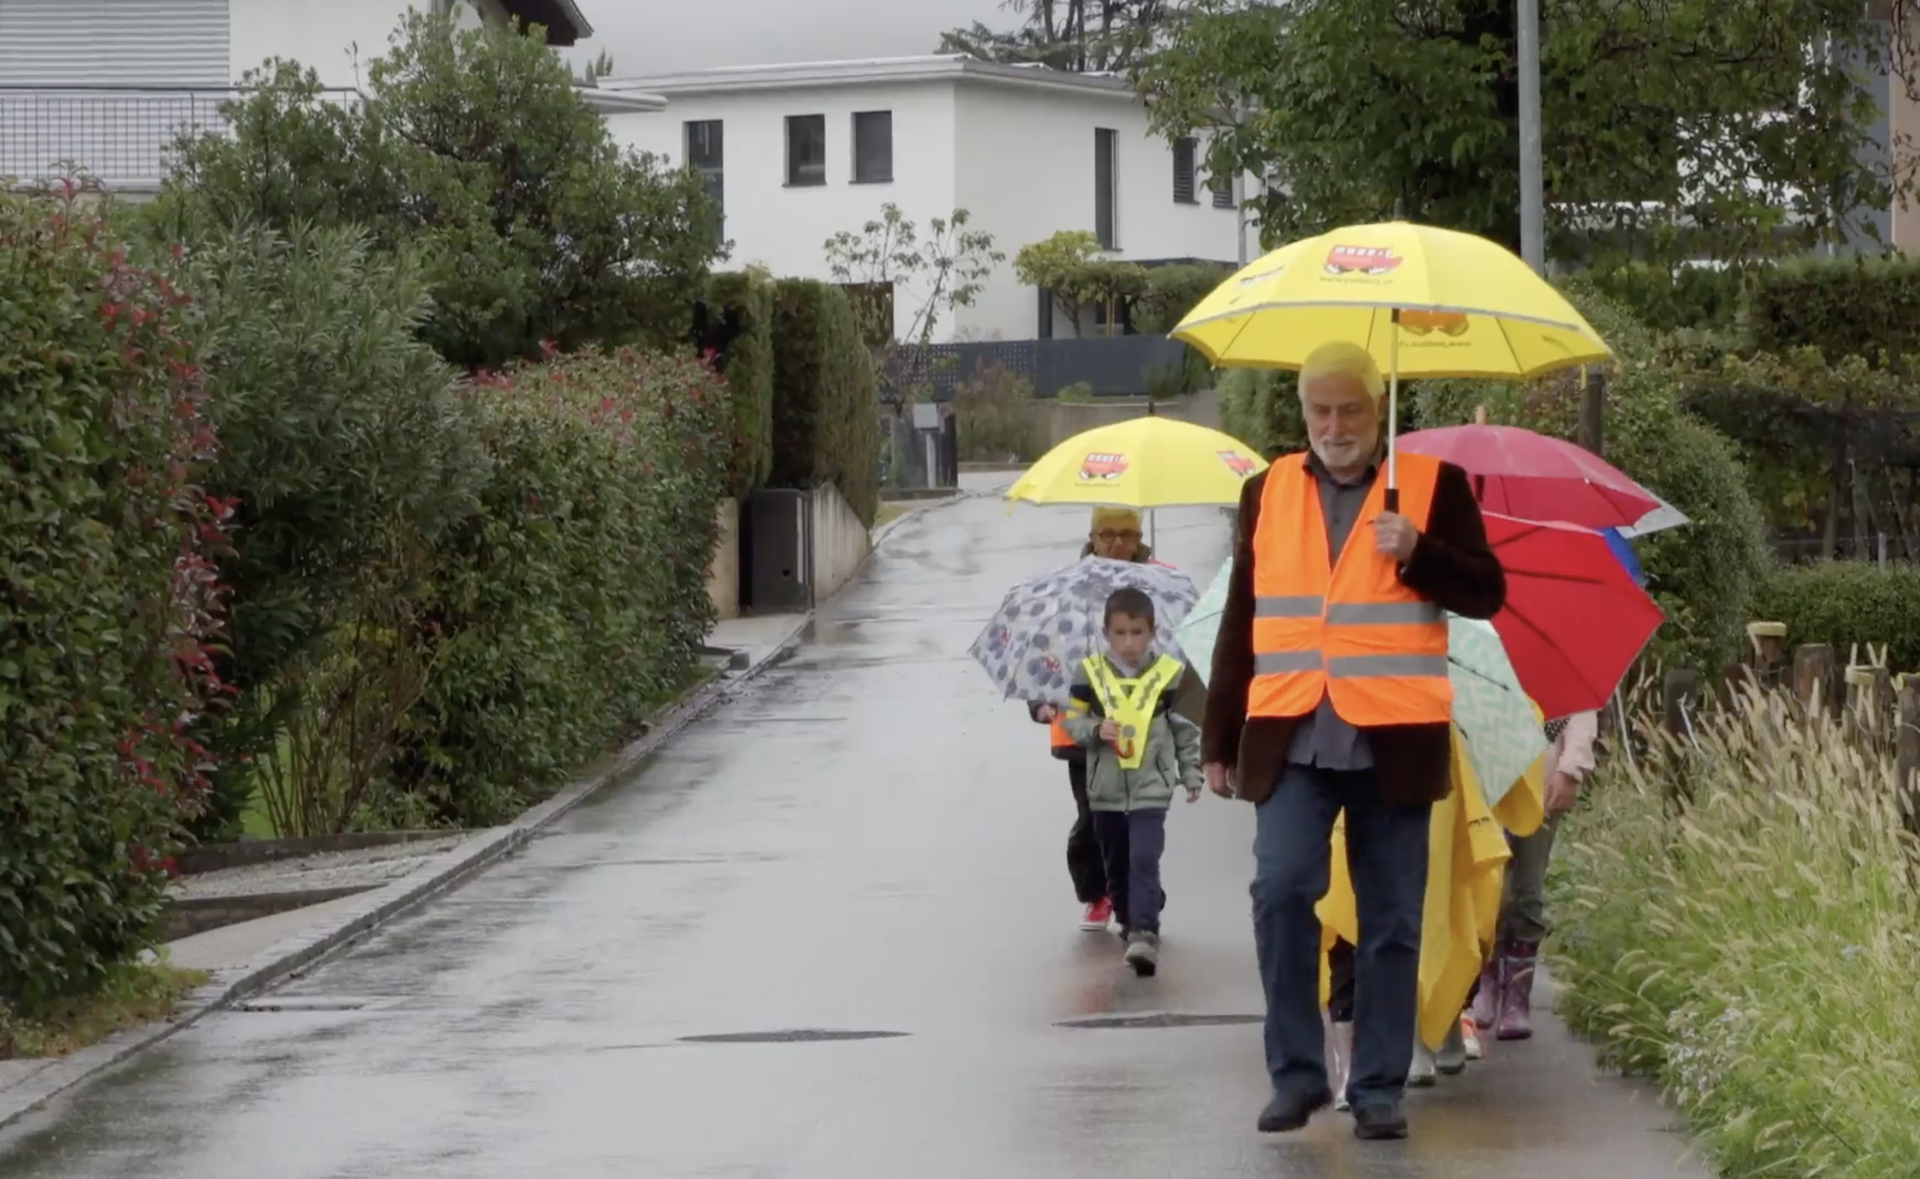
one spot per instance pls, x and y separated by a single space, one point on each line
1393 411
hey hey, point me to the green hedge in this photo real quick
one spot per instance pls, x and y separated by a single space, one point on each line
826 416
735 326
1704 575
107 620
1261 407
1674 299
1841 603
575 599
1846 306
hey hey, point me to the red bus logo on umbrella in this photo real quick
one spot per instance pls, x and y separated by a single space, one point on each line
1369 260
1099 465
1236 462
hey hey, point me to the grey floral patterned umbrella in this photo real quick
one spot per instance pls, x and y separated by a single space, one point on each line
1046 626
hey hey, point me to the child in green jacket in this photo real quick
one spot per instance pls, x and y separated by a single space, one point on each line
1139 754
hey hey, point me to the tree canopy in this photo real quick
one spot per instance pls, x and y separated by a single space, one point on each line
1081 36
474 150
1725 128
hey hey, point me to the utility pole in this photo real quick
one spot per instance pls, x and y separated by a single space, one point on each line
1533 247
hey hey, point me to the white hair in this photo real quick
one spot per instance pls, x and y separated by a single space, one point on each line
1342 358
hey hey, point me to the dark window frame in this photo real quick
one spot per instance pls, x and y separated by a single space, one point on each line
1221 185
1186 169
800 174
711 134
1106 187
883 174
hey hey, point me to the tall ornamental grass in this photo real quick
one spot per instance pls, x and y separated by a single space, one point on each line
1738 920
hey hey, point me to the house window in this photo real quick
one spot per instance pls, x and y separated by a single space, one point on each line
806 151
1184 151
1222 185
872 147
1106 144
706 155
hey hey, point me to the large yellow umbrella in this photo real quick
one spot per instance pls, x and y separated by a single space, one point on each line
1145 463
1426 302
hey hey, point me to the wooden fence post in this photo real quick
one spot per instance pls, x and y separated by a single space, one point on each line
1907 743
1815 682
1767 654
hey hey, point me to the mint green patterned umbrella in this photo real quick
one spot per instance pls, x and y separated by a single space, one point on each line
1490 709
1201 628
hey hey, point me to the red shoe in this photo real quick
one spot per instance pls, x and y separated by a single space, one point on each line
1098 915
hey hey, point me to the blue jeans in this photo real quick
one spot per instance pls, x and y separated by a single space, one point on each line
1131 843
1387 861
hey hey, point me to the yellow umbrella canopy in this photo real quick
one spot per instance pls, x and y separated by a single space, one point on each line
1144 463
1466 307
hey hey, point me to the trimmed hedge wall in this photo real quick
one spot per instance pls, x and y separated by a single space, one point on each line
108 614
826 406
1848 306
574 600
1841 603
734 327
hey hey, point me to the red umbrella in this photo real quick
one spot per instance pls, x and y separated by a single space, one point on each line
1533 477
1574 620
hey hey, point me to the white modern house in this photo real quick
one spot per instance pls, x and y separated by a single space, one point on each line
108 84
797 153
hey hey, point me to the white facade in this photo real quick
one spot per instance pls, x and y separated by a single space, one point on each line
1014 147
107 84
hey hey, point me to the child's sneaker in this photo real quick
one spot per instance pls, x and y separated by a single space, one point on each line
1143 952
1470 1035
1098 914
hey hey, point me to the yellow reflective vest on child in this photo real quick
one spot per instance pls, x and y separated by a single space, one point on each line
1158 750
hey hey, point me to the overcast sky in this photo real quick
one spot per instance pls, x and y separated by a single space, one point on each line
654 37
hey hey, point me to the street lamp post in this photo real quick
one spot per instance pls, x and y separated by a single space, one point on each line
1532 215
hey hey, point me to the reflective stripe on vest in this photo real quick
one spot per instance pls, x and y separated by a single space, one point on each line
1350 632
1130 703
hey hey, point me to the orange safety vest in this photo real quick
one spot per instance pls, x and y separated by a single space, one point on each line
1353 632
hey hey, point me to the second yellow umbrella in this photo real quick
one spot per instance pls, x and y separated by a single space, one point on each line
1145 463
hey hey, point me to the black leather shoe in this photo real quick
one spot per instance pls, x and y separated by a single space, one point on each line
1290 1109
1379 1123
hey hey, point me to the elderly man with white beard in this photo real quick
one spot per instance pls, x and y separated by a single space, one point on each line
1329 692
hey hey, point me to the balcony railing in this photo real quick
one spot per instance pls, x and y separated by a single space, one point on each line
120 136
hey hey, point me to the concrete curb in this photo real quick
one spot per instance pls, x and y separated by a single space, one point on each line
442 874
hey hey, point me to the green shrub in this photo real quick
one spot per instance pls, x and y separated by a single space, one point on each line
1673 299
474 148
575 599
348 456
108 614
1740 921
826 408
735 326
1841 603
1703 575
997 418
1856 306
1172 291
1261 407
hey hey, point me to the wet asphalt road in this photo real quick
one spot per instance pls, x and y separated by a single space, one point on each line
866 841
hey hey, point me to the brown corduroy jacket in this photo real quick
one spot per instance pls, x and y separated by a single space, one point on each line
1451 566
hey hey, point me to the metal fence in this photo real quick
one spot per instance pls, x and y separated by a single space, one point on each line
120 136
1111 365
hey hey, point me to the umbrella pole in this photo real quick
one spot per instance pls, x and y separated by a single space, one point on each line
1393 411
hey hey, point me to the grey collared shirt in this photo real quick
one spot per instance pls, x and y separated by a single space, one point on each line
1322 739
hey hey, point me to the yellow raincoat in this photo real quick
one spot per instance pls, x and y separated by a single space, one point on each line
1466 869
